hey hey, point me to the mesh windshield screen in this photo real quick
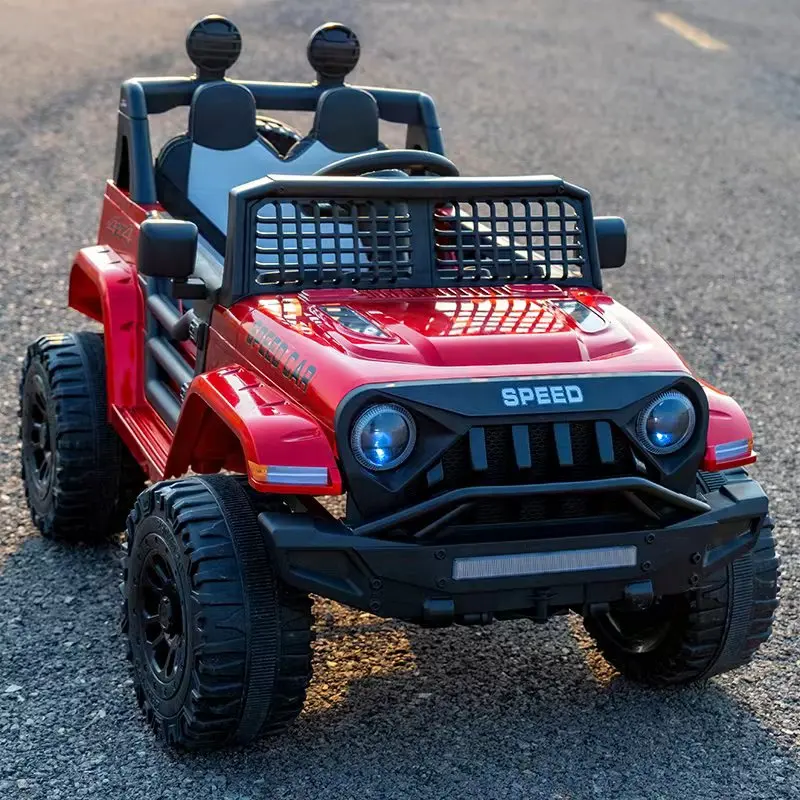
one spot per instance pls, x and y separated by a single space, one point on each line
384 243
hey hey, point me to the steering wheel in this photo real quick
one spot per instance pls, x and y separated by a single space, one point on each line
391 159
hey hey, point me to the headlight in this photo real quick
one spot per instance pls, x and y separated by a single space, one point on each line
383 437
667 423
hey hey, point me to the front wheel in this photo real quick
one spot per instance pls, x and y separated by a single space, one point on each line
690 637
221 651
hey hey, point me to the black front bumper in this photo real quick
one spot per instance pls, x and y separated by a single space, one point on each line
429 582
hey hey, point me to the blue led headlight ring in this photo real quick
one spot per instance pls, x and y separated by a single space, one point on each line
667 423
381 444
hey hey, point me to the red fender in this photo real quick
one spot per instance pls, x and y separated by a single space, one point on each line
271 433
105 288
726 423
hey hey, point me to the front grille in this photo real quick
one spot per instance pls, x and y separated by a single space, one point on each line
498 455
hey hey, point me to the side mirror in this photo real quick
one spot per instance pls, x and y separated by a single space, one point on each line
167 248
612 241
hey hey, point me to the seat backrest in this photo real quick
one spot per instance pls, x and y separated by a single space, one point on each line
221 149
226 148
345 123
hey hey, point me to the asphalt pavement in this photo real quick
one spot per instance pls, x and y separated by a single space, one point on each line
694 140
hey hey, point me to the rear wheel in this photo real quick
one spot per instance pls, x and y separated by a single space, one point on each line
80 480
281 136
221 650
690 637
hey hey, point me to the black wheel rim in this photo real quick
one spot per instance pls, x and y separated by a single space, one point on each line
162 617
639 632
38 439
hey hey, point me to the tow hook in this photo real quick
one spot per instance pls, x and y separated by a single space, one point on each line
639 596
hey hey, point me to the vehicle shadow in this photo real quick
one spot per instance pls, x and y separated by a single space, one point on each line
514 710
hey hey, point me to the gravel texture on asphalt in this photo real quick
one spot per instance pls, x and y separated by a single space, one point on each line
697 149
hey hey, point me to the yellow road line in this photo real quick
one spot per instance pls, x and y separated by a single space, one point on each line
689 32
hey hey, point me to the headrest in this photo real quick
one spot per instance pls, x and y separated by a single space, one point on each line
346 120
222 116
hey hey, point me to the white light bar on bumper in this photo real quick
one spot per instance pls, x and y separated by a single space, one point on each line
517 564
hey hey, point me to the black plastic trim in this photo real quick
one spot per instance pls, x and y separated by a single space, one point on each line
346 120
376 161
563 443
139 97
612 241
406 579
165 313
239 277
522 446
605 444
447 410
169 360
477 449
457 496
164 401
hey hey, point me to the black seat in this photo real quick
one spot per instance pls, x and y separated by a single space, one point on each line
345 123
221 149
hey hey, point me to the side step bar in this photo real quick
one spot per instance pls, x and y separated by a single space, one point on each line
168 358
163 401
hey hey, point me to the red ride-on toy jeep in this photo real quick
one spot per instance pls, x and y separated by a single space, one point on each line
290 316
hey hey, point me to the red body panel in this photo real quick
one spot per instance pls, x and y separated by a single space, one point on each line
105 287
278 367
436 335
269 429
727 423
248 425
448 334
119 222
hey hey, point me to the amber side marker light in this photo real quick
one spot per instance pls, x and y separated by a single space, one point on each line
288 476
738 453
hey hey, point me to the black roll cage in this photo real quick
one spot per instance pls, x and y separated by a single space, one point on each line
140 97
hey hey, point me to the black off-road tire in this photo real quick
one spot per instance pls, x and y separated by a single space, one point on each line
80 480
281 136
714 629
241 641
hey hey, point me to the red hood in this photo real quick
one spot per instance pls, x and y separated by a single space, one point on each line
352 338
476 329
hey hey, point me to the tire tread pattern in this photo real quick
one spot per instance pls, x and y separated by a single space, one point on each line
724 624
251 663
96 478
